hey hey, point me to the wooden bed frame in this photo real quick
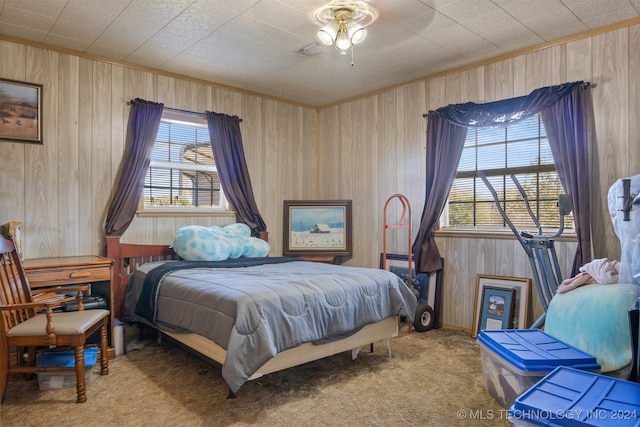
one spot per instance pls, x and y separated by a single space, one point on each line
128 257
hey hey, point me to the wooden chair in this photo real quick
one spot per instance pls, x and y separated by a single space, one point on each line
25 324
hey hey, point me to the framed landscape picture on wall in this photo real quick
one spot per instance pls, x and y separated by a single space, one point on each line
20 111
317 227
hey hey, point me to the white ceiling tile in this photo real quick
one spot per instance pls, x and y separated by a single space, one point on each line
27 19
517 44
590 9
186 64
51 8
525 9
153 55
237 6
386 36
501 36
197 21
81 23
139 21
165 39
550 24
423 24
498 19
22 32
454 35
211 46
471 47
252 44
462 10
275 13
437 4
418 49
251 31
402 11
611 18
107 52
66 42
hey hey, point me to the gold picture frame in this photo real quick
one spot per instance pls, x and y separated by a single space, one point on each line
522 287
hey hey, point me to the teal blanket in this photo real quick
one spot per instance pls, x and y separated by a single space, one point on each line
594 319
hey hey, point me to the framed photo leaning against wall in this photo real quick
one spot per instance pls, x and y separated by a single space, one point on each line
521 300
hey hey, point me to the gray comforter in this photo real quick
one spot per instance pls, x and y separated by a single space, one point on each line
255 312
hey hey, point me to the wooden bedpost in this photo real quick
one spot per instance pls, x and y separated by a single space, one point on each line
113 252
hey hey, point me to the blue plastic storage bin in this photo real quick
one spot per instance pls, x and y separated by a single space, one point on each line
513 360
576 398
48 381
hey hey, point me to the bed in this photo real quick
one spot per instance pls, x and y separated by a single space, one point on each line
256 316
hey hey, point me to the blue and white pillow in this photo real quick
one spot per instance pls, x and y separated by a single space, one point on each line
214 243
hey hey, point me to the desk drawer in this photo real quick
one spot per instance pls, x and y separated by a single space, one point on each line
65 276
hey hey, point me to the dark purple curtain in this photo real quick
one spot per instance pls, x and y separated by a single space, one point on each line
566 126
444 146
226 142
144 121
506 111
445 142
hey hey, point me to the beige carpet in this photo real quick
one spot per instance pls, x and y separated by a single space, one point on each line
432 379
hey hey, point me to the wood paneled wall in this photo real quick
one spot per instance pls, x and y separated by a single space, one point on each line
60 190
365 150
375 147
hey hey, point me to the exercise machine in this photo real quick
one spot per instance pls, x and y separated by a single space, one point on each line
539 247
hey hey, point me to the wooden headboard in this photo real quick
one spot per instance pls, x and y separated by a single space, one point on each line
127 257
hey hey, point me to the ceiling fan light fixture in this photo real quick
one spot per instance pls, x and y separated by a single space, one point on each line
342 42
356 32
343 22
328 33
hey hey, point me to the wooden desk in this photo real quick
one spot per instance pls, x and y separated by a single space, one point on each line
76 270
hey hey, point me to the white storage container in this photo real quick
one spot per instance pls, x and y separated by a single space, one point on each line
48 381
513 360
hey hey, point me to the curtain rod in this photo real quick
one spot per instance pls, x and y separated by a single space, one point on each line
586 85
133 101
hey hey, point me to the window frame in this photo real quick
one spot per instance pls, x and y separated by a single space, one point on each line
194 120
484 231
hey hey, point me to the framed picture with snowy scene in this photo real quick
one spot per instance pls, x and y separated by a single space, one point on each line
317 227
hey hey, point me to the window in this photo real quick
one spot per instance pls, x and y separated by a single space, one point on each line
520 149
183 174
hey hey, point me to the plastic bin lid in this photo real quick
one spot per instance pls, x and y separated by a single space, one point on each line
533 350
66 359
576 398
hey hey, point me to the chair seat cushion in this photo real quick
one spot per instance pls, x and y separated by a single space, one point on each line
69 323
